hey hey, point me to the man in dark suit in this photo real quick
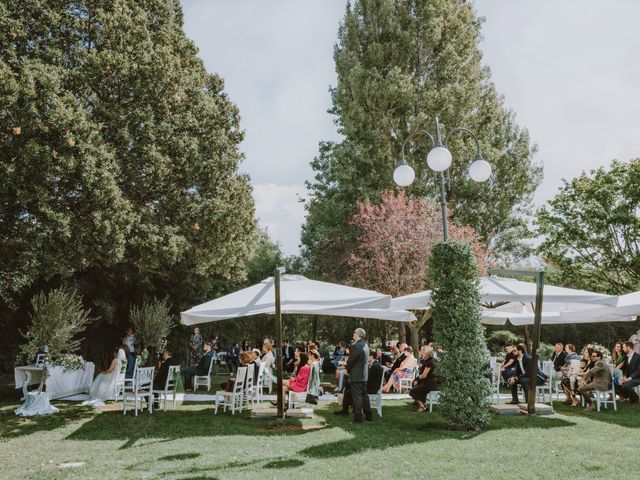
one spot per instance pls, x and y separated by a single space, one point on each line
202 368
524 369
160 380
373 384
558 357
288 359
631 372
397 362
357 367
233 356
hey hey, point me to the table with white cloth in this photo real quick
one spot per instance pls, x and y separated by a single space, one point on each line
60 382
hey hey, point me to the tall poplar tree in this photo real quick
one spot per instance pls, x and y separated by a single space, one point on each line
401 63
119 157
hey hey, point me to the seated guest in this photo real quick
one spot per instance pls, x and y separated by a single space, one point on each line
341 371
630 372
570 381
288 359
245 346
426 381
374 380
202 368
256 361
405 369
233 357
570 356
587 352
160 379
314 373
507 367
597 378
400 355
524 369
618 356
338 353
296 360
299 382
267 356
558 357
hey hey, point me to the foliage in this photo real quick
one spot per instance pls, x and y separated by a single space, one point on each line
591 229
393 242
57 318
545 351
399 64
120 156
152 321
497 340
606 353
457 329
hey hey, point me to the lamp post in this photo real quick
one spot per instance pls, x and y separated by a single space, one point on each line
439 160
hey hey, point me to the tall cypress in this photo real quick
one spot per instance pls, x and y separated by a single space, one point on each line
401 63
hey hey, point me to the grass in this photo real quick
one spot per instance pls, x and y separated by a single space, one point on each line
192 443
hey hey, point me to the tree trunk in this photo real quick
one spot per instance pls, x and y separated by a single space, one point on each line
402 334
413 337
314 330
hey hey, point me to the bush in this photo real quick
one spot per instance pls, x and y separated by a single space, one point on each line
498 339
545 351
152 321
56 320
456 326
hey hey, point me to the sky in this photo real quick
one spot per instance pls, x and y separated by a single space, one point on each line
569 70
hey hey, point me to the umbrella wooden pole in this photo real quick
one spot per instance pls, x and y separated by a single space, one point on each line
531 401
278 312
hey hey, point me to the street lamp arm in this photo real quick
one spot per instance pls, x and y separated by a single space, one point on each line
416 134
469 132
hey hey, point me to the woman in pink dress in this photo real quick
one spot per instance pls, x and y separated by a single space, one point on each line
406 369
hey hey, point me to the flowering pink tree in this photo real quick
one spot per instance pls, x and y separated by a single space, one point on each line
393 245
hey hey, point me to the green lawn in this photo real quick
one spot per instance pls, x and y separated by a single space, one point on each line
193 443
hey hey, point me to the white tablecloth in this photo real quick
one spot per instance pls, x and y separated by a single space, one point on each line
60 383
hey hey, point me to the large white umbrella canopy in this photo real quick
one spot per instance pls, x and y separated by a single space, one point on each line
627 308
509 299
299 295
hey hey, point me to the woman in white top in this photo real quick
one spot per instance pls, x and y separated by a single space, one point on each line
267 357
104 385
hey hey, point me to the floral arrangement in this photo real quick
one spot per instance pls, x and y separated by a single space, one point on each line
606 354
68 361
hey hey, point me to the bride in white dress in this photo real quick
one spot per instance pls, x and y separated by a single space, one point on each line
104 385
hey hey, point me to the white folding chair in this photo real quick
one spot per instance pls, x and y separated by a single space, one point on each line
406 382
495 384
169 387
247 398
601 397
222 363
255 393
127 383
204 380
234 398
297 397
434 399
40 359
377 397
547 389
142 390
120 378
267 381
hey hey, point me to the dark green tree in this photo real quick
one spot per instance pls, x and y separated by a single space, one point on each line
591 229
119 158
453 271
399 64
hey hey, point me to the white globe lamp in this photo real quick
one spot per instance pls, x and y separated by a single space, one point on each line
439 159
480 170
404 175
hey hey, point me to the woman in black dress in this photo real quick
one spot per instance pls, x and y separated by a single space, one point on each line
426 381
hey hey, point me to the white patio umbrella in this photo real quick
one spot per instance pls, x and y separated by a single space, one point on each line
295 294
299 295
627 308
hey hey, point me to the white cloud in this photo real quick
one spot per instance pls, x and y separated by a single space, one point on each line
279 209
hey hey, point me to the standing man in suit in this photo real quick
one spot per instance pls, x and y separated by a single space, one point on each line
202 368
524 369
558 357
631 371
233 357
357 367
373 383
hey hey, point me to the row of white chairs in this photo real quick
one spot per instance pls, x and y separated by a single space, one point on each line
139 388
244 393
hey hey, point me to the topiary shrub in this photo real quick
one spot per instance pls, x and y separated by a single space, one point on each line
152 321
464 390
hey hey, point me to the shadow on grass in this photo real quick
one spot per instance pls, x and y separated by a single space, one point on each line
400 426
179 456
290 463
184 423
12 426
628 415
